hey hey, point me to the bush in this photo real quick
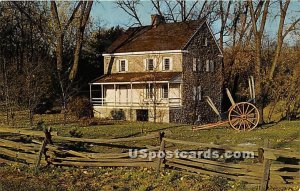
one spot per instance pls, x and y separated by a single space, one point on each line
118 114
81 107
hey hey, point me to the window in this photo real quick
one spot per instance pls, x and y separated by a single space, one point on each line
205 41
149 91
122 66
164 91
167 64
194 64
212 66
207 66
197 93
149 64
199 65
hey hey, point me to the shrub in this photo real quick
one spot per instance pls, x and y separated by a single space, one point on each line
118 114
81 107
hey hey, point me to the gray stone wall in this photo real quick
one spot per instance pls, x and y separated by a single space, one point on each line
193 110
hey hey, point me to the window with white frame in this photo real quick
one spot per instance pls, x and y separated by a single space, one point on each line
197 93
149 91
122 65
167 64
150 64
164 91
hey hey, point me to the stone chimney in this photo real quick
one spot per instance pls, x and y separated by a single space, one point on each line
156 20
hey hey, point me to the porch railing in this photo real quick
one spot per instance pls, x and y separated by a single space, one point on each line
161 102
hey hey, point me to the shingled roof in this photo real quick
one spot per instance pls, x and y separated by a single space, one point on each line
165 36
138 77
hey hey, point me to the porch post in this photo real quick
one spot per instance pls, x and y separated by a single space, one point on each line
115 94
90 93
180 93
131 93
168 93
102 94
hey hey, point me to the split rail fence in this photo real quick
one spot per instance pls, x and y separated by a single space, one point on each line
269 167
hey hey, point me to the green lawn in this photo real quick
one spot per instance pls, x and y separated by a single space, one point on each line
284 135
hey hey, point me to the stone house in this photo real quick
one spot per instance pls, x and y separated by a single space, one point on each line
161 72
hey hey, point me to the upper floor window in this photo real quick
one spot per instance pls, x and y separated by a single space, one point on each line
122 66
197 65
150 64
167 64
164 91
205 41
209 66
194 64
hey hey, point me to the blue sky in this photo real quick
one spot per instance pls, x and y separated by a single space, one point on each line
108 14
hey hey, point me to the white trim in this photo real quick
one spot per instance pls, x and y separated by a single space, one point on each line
146 52
118 65
170 63
143 82
146 61
214 38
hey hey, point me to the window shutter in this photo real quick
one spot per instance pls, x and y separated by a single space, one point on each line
118 66
145 64
199 96
207 65
126 65
194 64
171 63
154 64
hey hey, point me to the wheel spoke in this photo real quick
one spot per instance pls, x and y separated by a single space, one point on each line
240 124
249 127
236 112
250 111
247 108
239 109
251 122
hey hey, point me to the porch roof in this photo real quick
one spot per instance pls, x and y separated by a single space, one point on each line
139 77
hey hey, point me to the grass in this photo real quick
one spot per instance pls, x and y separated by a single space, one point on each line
283 135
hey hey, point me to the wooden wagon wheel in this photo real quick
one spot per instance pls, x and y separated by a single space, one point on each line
243 116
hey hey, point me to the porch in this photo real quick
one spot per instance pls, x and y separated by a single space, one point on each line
137 90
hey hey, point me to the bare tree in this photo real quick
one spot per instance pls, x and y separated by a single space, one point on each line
281 34
130 7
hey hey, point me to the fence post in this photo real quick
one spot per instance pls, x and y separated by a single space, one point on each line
161 149
266 169
46 141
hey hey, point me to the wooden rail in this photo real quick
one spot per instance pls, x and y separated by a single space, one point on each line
279 168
